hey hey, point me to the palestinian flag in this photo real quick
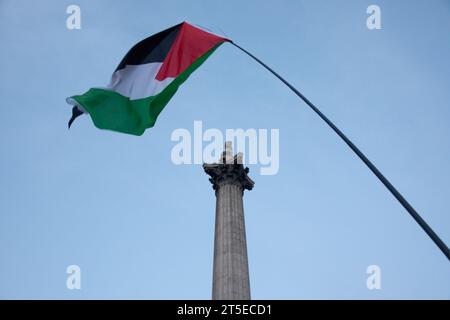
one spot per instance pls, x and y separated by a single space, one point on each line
146 79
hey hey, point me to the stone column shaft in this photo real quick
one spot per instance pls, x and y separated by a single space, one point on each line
230 270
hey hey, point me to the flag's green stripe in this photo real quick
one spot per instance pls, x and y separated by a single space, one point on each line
113 111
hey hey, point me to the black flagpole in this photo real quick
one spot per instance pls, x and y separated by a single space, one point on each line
361 155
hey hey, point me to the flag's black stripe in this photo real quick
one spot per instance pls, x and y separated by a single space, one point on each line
152 49
76 112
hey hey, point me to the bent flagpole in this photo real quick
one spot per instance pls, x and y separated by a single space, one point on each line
442 246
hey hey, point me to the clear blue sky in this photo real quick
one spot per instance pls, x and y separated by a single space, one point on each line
141 227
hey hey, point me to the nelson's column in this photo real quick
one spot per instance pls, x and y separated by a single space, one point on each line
230 271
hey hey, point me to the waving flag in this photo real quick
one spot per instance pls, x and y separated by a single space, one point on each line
146 79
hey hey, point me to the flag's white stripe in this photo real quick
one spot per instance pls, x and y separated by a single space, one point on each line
75 104
138 81
134 82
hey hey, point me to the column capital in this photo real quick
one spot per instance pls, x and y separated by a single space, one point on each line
229 170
